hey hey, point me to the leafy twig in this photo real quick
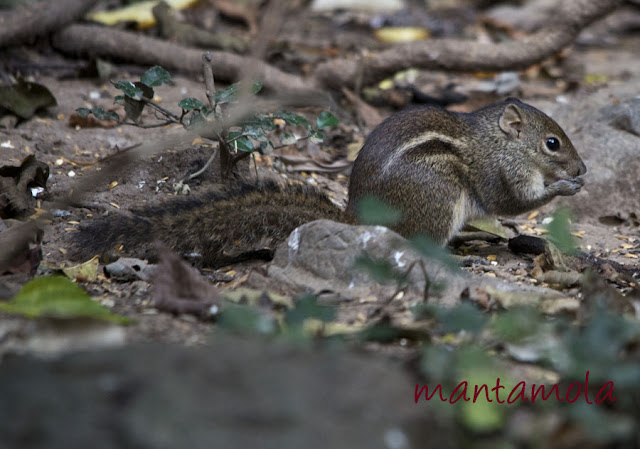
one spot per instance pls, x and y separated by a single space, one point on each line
164 111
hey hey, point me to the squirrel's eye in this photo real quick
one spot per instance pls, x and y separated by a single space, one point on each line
553 144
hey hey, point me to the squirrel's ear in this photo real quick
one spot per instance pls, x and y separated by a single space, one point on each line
511 121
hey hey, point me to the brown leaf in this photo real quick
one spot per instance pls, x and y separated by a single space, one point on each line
366 113
90 121
232 9
179 288
20 250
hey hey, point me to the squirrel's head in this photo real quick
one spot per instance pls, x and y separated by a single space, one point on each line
542 139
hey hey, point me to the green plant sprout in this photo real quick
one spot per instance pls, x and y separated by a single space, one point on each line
239 134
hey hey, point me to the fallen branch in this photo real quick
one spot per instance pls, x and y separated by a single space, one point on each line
31 20
147 51
444 54
465 56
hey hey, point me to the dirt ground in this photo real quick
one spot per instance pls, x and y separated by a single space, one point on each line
73 154
305 350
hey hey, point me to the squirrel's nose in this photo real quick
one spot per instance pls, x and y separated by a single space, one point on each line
582 169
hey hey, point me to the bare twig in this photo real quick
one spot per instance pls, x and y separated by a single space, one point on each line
210 90
210 87
155 125
204 168
164 111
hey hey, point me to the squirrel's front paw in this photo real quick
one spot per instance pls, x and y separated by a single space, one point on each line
567 187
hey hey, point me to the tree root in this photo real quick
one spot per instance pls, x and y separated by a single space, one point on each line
463 56
111 43
31 20
444 54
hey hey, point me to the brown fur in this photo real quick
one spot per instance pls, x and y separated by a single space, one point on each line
439 168
488 162
224 226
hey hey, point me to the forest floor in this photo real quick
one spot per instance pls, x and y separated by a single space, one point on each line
74 152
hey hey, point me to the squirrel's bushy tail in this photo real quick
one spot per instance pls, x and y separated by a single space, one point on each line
224 226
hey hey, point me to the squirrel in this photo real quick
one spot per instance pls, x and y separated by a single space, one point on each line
439 168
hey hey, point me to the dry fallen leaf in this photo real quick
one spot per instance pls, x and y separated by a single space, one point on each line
86 271
392 35
180 288
137 12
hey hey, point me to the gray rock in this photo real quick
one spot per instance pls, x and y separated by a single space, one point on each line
128 269
320 257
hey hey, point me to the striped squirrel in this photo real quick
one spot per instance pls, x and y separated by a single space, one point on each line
439 168
443 168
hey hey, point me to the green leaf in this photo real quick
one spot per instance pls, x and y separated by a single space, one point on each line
292 119
307 307
381 332
227 95
560 231
431 250
189 104
147 92
119 99
265 147
57 297
602 426
517 323
259 121
129 89
465 317
380 270
101 114
317 137
326 119
134 107
373 211
288 139
256 86
244 144
255 133
155 76
231 93
481 415
198 121
246 320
